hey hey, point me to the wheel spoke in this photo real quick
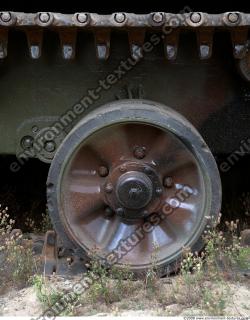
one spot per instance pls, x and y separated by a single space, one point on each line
108 232
83 197
86 161
111 145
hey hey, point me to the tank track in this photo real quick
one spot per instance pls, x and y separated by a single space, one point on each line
168 25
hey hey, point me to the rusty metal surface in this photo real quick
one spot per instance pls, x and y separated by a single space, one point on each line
68 25
87 196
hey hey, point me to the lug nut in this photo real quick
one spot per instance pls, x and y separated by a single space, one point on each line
44 17
120 17
123 168
108 188
195 17
120 211
27 142
233 17
5 16
158 191
50 146
103 171
82 17
168 182
147 170
108 212
139 152
157 17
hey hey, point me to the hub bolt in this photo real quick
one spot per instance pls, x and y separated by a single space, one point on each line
157 17
44 17
108 188
6 16
158 191
120 17
82 17
145 213
147 170
103 171
195 17
139 152
233 17
50 146
120 211
168 182
123 168
108 212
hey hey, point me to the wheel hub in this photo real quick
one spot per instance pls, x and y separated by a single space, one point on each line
134 190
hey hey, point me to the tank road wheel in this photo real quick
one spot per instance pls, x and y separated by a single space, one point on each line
134 175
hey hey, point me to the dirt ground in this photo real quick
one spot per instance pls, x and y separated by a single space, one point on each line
25 302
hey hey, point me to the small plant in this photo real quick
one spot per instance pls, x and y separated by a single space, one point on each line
47 295
50 296
245 203
100 289
151 277
122 281
214 301
42 227
17 263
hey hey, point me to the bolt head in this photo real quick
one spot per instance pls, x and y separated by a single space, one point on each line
168 182
120 17
139 152
157 17
109 188
50 146
103 171
195 17
233 17
123 168
120 211
6 16
82 17
147 170
108 212
27 142
44 17
145 213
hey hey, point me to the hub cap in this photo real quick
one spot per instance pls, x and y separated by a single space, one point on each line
134 190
